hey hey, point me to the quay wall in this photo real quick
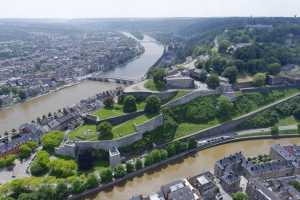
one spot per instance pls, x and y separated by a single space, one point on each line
170 161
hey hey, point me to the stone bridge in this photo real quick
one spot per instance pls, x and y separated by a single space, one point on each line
120 80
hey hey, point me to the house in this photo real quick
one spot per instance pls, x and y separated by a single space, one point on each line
205 184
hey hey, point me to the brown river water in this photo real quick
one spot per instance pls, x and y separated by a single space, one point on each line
18 114
190 166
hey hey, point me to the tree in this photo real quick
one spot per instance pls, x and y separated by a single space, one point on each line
158 75
171 149
63 168
156 156
153 104
106 176
274 68
29 196
275 131
213 81
231 73
298 128
223 46
52 140
25 151
108 102
22 94
78 186
104 129
61 191
192 144
91 181
163 154
240 196
129 167
119 171
129 104
225 108
138 164
296 113
259 79
40 164
148 160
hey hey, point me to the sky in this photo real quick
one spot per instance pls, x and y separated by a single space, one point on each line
146 8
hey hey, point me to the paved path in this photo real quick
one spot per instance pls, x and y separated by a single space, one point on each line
281 128
18 171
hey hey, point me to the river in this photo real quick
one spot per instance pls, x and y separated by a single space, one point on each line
137 68
18 114
190 166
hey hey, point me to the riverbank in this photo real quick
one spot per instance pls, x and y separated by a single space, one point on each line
156 168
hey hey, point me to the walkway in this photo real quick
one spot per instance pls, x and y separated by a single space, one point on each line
261 130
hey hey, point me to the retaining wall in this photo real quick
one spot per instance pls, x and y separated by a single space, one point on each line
233 124
123 141
170 161
190 96
270 88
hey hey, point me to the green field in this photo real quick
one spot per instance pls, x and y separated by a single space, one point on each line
128 127
287 121
184 129
85 132
88 132
117 110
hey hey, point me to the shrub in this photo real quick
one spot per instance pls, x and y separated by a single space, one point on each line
78 186
240 196
129 104
52 140
106 175
156 156
153 104
298 128
138 164
259 79
163 154
213 81
108 102
171 149
7 161
129 167
119 171
148 160
91 181
275 131
104 129
25 151
63 168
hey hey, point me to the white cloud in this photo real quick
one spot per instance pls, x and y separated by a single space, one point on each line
146 8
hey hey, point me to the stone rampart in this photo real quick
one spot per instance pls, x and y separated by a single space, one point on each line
190 97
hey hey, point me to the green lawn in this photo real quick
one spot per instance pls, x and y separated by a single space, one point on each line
149 84
180 93
287 121
128 127
85 132
88 132
117 110
104 113
189 128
